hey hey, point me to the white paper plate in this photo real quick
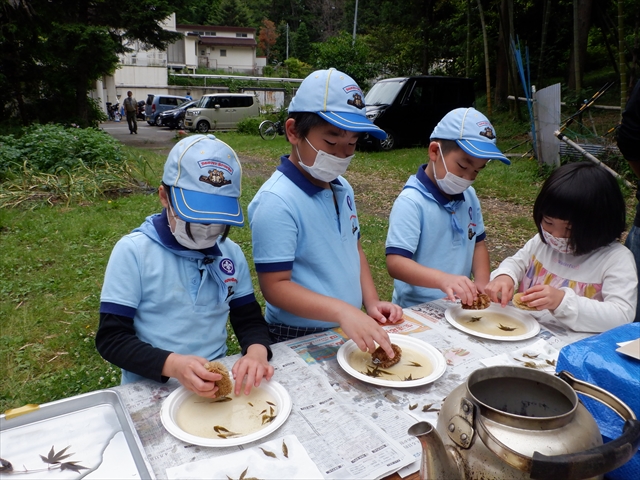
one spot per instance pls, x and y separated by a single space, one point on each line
172 404
511 316
437 360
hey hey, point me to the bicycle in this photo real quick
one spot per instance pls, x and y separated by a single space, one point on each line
268 129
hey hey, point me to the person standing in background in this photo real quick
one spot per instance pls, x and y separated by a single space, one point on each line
130 105
629 145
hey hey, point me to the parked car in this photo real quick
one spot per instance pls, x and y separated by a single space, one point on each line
174 118
221 111
408 108
157 104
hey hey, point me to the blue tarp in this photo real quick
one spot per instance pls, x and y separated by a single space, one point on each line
596 361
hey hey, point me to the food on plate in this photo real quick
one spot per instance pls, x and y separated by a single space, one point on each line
225 385
481 302
517 301
382 360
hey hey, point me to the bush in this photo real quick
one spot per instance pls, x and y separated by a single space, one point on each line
249 126
53 148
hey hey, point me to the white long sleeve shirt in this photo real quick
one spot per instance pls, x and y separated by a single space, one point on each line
600 287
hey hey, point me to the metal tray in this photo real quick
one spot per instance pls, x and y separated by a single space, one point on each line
95 426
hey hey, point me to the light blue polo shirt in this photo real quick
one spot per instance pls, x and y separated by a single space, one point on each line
177 303
434 231
296 227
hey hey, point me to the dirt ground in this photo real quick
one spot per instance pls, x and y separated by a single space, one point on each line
508 226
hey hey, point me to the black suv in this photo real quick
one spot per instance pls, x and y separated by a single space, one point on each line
408 108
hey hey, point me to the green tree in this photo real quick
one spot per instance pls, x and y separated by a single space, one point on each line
301 43
50 56
354 59
231 13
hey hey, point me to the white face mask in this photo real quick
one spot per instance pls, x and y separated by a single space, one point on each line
561 245
195 236
326 167
451 184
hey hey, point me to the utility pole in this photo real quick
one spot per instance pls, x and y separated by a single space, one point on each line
355 23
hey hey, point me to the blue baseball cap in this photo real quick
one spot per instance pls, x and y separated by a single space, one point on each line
338 99
473 133
205 176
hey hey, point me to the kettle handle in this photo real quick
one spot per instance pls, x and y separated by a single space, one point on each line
598 460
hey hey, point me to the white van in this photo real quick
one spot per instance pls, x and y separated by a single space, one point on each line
221 111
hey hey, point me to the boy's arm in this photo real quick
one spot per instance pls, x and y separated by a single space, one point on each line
480 265
281 292
383 312
250 327
411 272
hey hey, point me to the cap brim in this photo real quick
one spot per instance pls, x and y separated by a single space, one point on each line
353 123
198 207
486 150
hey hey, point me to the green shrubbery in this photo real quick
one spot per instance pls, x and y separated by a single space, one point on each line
54 162
54 148
249 126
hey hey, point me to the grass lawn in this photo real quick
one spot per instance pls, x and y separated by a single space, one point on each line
54 256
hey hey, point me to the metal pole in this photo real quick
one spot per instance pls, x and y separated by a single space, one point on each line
562 137
287 56
355 23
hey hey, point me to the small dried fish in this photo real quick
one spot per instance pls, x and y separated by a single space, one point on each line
263 411
220 399
413 407
413 364
551 362
285 450
223 432
268 453
528 355
530 364
267 418
427 408
270 403
474 319
250 404
506 329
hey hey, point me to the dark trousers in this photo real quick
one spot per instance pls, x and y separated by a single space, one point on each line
131 120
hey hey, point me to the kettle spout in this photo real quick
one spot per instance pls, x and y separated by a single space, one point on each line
435 463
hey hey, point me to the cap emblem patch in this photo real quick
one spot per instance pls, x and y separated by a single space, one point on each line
215 178
356 101
487 132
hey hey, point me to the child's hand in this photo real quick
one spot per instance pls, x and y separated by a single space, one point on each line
364 331
500 289
458 286
385 312
543 297
251 369
190 372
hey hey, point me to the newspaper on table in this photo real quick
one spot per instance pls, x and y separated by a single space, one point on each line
349 428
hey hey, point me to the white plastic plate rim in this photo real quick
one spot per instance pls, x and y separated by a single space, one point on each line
530 323
175 399
437 361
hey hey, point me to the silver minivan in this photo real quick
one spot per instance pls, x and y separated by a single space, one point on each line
221 111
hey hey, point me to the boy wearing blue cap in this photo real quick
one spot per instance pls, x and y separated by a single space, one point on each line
304 223
171 284
436 237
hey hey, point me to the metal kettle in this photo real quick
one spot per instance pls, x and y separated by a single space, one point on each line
518 423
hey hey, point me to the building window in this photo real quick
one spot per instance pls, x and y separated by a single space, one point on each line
241 35
223 53
202 52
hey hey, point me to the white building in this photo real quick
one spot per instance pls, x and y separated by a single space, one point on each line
232 49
